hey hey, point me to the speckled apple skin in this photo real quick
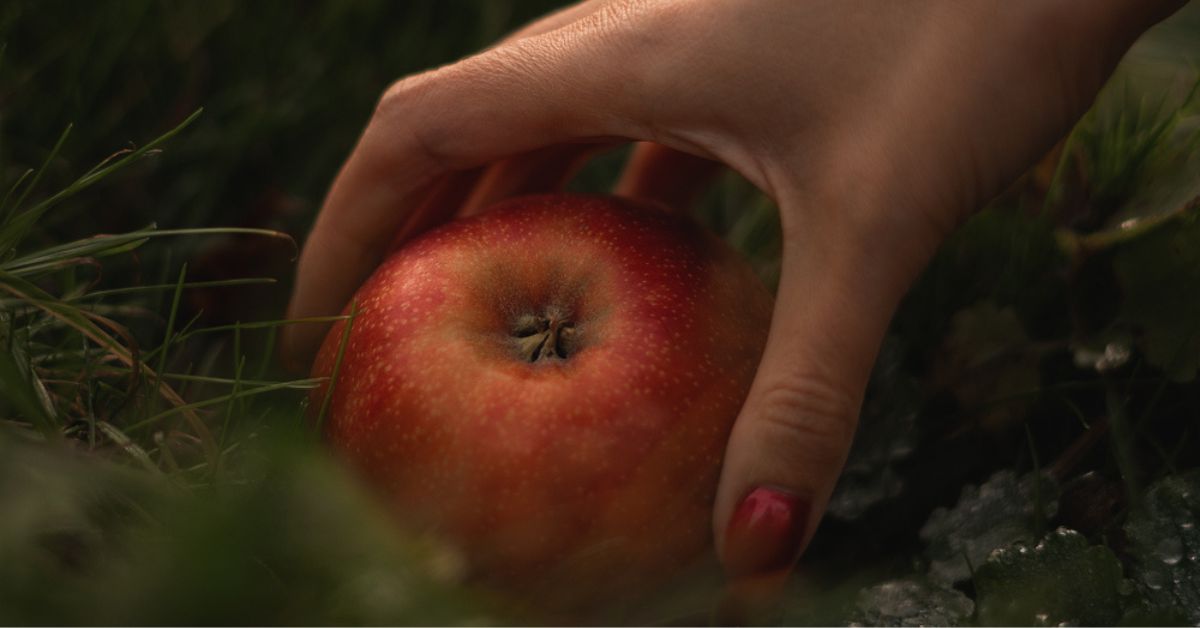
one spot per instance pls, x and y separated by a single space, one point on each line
586 477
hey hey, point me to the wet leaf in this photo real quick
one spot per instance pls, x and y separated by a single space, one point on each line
1135 154
911 602
1062 580
1165 545
1159 274
993 515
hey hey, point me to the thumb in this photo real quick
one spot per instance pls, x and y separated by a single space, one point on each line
837 293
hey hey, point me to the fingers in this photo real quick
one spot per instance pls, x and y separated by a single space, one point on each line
540 171
439 201
653 173
535 92
789 444
543 170
658 173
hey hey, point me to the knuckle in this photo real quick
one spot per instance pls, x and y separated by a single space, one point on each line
808 413
405 110
399 95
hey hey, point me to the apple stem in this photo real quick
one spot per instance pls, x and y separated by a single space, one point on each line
543 337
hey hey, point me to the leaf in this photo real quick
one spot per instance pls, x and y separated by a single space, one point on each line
1001 256
1159 275
1164 544
994 515
1133 148
911 602
984 331
1062 580
989 362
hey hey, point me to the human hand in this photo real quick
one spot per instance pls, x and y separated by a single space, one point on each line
875 126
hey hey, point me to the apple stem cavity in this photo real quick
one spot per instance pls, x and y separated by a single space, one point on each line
545 337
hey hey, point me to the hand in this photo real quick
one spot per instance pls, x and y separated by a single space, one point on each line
876 127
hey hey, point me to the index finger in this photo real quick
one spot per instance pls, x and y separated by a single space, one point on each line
541 90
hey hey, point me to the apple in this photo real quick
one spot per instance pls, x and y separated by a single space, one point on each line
549 386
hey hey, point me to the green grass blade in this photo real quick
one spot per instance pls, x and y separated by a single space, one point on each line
1121 439
337 367
296 384
168 335
127 445
19 226
12 190
261 325
52 259
268 352
134 290
73 317
245 392
239 363
1039 505
19 390
105 245
7 213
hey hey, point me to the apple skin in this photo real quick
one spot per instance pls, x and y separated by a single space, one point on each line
578 472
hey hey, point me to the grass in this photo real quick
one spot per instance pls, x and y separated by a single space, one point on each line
157 467
62 353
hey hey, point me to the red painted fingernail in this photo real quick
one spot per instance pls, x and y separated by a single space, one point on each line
765 533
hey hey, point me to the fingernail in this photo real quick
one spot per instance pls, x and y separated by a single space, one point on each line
765 532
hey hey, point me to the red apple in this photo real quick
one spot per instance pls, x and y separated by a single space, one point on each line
549 386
